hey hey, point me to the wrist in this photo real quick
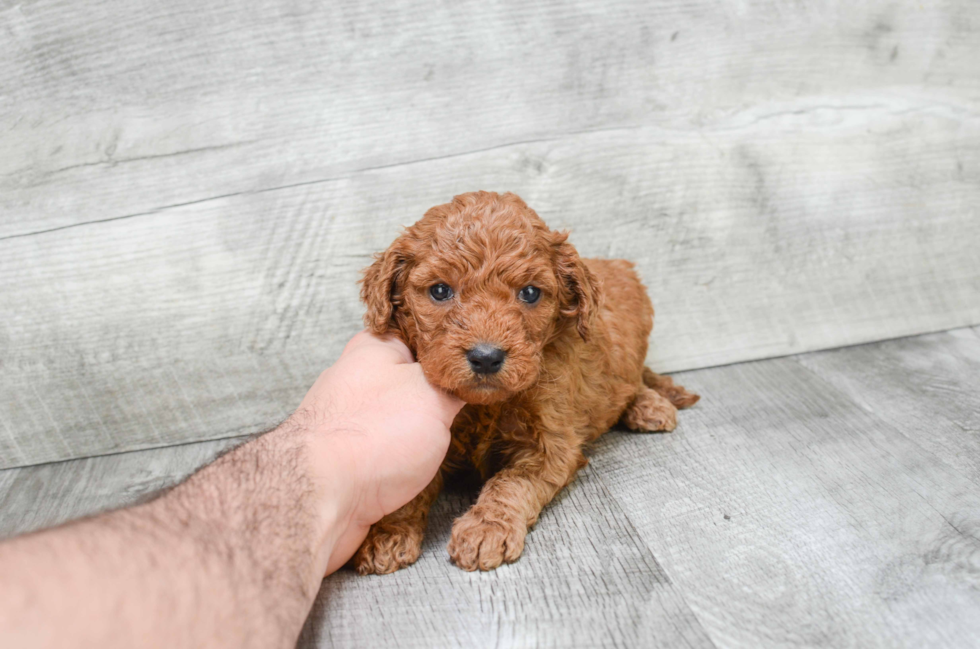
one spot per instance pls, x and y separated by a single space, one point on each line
341 467
275 505
335 490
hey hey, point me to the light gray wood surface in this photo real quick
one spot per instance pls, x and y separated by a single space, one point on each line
44 495
928 387
188 190
790 515
828 499
117 108
586 581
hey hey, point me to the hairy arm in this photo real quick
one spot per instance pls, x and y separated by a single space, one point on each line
234 555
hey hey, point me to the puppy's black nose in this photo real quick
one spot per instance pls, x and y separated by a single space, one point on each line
486 359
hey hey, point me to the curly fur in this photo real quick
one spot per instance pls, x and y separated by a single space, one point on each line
574 366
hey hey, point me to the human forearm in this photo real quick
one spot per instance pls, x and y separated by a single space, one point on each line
232 557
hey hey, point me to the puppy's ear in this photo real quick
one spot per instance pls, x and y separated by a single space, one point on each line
381 288
579 291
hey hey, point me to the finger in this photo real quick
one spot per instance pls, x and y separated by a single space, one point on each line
346 546
446 405
388 347
450 405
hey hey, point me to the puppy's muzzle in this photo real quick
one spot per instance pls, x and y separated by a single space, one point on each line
486 358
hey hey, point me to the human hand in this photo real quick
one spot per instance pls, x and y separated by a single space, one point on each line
381 432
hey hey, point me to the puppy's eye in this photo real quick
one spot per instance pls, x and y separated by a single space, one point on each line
529 294
440 292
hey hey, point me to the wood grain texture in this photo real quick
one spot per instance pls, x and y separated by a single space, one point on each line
137 321
117 108
585 581
926 387
184 208
789 514
45 495
786 509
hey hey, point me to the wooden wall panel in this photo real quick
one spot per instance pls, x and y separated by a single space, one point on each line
114 108
185 205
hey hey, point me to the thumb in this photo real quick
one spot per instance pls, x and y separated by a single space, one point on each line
445 406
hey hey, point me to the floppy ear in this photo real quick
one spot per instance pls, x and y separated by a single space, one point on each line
579 291
380 289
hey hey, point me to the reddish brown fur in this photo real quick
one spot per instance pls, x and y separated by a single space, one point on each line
574 366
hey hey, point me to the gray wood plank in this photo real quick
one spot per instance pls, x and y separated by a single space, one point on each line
926 387
790 515
585 580
114 108
211 319
44 495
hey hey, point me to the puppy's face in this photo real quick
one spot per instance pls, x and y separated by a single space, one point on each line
477 289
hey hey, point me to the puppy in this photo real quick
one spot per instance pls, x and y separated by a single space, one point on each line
546 348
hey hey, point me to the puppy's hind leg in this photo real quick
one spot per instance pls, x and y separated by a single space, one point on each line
650 411
676 394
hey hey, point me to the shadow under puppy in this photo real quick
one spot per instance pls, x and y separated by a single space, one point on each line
546 348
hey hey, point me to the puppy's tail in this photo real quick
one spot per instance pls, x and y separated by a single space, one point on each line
676 394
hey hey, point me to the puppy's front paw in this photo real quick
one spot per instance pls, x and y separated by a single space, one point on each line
483 540
389 546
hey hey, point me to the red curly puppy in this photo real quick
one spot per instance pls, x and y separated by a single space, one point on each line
546 348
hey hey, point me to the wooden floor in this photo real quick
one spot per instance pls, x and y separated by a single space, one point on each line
830 498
